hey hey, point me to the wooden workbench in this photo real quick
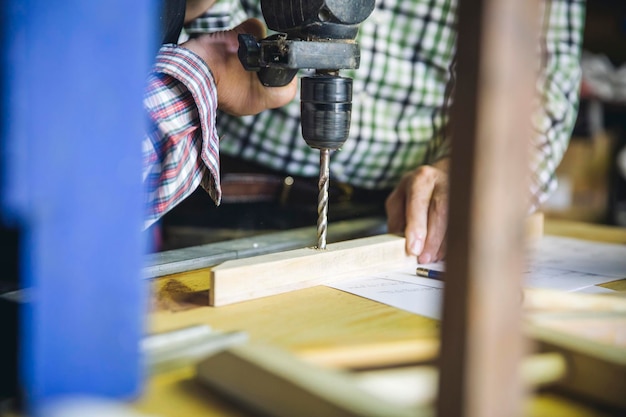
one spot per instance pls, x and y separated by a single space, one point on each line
317 317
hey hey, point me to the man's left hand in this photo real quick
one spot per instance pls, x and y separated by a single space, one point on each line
418 207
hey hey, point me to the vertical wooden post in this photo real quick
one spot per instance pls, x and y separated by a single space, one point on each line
481 334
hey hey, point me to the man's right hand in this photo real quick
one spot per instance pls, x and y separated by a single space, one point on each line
239 92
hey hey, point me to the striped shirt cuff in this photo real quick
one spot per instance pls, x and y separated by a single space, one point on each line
196 76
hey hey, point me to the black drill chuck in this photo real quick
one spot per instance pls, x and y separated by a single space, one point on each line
326 107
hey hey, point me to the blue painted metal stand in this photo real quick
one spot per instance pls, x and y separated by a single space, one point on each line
72 123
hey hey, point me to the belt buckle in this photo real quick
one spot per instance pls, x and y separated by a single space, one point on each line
285 190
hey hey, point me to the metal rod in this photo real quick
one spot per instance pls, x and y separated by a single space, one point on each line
322 199
202 256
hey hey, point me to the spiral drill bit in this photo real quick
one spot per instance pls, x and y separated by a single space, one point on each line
322 199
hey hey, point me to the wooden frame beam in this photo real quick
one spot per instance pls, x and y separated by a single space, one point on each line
481 330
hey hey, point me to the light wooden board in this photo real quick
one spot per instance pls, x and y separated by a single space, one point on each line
260 276
276 383
417 385
595 348
586 231
272 382
537 299
373 355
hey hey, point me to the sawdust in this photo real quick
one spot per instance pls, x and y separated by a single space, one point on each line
175 296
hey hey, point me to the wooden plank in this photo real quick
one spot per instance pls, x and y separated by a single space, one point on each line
272 382
481 331
417 385
586 231
595 348
260 276
536 299
373 355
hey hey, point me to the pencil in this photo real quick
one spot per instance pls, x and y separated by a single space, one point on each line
429 273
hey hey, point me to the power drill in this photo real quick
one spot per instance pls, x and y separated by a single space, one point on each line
319 35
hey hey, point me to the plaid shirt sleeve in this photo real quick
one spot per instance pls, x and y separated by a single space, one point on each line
181 146
558 86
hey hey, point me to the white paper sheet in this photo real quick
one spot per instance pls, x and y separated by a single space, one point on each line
576 255
399 288
560 279
555 263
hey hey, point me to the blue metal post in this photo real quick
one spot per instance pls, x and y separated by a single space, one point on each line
74 74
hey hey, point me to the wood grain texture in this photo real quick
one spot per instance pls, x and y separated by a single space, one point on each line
481 341
317 318
260 276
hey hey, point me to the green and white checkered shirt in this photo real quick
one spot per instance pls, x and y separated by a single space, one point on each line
398 112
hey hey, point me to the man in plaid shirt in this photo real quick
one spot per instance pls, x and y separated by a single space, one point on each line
397 141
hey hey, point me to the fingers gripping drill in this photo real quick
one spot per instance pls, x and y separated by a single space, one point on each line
319 35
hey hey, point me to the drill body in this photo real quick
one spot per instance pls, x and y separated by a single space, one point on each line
318 35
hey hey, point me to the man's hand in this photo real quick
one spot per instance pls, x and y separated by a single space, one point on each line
419 207
239 92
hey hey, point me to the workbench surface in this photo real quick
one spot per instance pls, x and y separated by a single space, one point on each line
318 317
